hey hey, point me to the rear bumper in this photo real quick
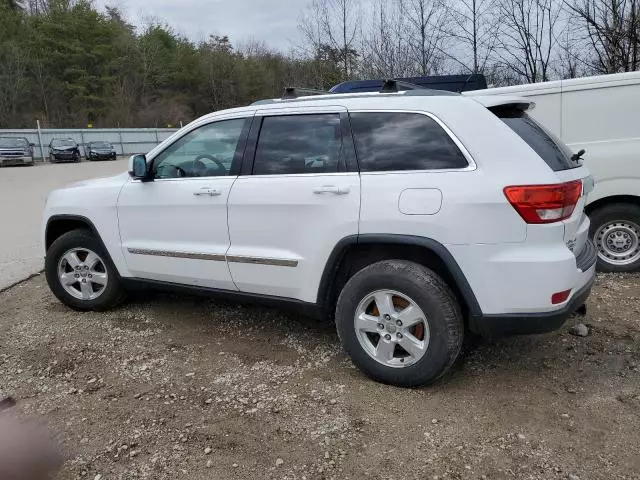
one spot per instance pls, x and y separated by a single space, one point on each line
501 325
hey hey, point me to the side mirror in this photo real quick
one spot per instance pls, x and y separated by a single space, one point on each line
32 145
138 167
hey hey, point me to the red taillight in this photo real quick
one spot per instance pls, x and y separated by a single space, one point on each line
560 297
545 203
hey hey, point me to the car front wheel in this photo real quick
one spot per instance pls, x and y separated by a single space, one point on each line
80 273
400 323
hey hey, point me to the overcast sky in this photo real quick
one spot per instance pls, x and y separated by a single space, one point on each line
272 21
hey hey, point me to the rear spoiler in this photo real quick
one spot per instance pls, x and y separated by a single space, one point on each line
504 101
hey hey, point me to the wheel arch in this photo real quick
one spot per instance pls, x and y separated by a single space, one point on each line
58 225
625 208
633 199
355 252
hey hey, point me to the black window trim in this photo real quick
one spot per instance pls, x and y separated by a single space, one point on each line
254 134
236 165
471 164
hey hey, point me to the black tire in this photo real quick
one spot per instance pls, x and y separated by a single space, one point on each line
437 302
607 214
113 293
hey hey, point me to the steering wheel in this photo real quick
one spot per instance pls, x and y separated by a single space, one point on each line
180 172
200 165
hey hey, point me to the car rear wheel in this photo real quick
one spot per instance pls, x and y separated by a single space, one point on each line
400 323
615 230
80 273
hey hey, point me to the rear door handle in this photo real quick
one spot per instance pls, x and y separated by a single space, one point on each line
331 189
208 191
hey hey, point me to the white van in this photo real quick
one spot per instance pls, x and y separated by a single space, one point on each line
602 116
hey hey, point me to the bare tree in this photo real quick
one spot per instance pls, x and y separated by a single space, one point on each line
385 51
569 60
528 37
333 24
36 7
425 32
42 82
15 5
612 31
13 81
474 24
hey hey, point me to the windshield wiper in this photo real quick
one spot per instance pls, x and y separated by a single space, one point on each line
578 156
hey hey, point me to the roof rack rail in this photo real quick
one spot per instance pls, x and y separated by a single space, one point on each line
295 92
393 86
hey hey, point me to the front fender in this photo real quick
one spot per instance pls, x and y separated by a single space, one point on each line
94 202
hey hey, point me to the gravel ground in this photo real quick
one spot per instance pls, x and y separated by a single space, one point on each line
180 387
23 191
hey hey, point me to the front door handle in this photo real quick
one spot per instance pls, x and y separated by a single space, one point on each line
208 191
331 189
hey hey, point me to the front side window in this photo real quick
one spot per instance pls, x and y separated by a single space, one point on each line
297 144
207 151
390 141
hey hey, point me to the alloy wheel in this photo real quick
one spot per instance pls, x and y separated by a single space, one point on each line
392 328
82 273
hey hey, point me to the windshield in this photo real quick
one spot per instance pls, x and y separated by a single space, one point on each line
64 142
13 143
100 145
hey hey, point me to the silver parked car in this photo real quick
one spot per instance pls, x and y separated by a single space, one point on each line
15 151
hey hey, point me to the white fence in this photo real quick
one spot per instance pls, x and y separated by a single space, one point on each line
126 141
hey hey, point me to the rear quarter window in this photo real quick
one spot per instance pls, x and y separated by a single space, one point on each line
551 149
390 141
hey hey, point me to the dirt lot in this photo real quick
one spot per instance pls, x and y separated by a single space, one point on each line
23 191
182 387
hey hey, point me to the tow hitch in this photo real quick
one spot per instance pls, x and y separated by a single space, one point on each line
581 310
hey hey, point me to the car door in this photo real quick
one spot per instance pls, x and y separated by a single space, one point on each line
174 227
298 196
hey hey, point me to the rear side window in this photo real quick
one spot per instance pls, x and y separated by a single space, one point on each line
551 149
295 144
389 141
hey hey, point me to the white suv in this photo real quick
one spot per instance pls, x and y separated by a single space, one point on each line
409 217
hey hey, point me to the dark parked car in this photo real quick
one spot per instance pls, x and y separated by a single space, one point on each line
64 150
99 151
15 151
